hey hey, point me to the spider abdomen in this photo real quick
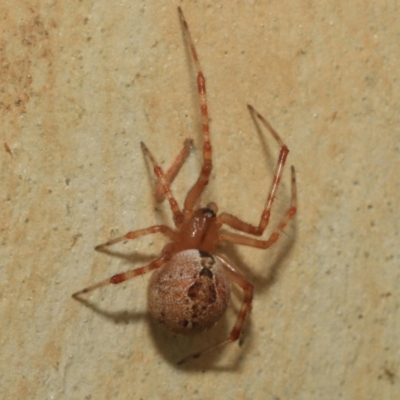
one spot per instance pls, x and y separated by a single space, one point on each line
189 293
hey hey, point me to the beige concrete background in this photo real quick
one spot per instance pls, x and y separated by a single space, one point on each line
83 82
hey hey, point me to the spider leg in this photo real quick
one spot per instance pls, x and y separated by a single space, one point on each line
124 276
202 181
165 230
177 214
247 288
264 244
235 222
174 169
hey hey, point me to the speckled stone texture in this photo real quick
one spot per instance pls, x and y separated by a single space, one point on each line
83 82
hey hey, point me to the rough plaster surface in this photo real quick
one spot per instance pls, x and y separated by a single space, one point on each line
82 83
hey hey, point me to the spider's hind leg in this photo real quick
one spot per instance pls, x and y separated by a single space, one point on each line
237 278
124 276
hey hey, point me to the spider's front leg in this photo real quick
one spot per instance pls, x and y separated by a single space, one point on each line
202 181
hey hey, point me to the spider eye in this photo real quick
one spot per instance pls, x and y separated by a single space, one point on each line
208 212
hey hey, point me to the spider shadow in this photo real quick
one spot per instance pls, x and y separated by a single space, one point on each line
269 274
264 141
118 317
173 347
131 258
282 248
124 316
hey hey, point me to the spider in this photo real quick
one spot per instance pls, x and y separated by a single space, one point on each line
190 287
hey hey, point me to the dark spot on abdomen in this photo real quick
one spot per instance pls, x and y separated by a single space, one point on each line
207 273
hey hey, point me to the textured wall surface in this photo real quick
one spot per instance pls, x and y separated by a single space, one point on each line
82 83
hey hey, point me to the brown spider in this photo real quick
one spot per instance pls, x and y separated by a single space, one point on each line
190 287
